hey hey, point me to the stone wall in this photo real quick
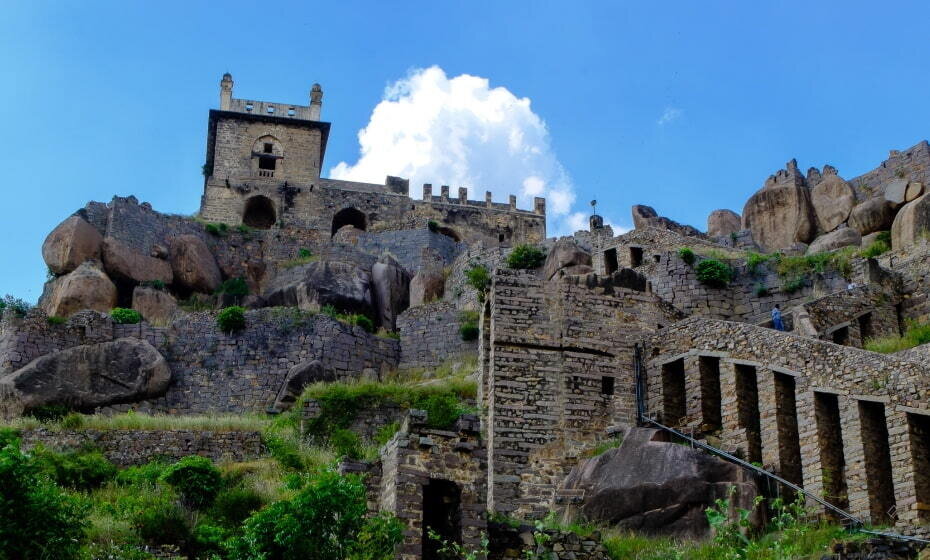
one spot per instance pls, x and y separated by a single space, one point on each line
211 370
559 371
912 164
429 335
849 316
136 447
366 423
843 422
457 289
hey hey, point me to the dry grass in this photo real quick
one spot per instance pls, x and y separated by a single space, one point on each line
138 421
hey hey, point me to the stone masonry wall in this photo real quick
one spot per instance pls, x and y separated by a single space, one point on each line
429 335
136 447
560 371
842 420
863 308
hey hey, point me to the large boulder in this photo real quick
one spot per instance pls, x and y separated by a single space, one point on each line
428 284
72 242
912 221
156 306
643 215
86 287
833 199
656 487
896 193
843 237
875 214
780 215
193 265
345 286
298 377
391 290
722 223
914 190
646 216
565 254
124 264
85 377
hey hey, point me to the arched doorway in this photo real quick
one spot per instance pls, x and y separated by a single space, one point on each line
450 233
259 212
348 217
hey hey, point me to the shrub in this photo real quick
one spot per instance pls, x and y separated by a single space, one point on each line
914 335
714 273
479 278
123 316
19 306
525 257
37 520
377 538
432 225
324 520
468 327
49 412
196 479
234 287
881 245
761 290
162 522
755 260
244 229
233 506
687 255
362 321
207 541
56 320
81 470
231 319
145 475
793 284
346 443
216 229
154 284
386 432
304 254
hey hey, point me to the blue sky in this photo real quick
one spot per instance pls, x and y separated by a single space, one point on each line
100 98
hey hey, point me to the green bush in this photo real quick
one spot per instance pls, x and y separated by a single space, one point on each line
876 248
234 505
207 541
362 321
432 225
81 470
755 260
442 410
49 412
142 475
525 257
123 316
37 520
346 443
231 319
468 325
714 273
19 306
914 335
479 278
216 229
324 520
687 255
56 320
304 254
761 290
234 287
792 285
162 522
196 479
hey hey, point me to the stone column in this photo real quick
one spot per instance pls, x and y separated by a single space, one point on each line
693 396
487 199
768 419
811 465
854 455
513 202
427 192
732 434
539 205
902 465
463 195
444 193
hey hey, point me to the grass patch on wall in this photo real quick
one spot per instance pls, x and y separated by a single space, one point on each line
140 421
914 335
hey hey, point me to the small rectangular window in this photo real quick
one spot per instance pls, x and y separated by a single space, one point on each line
268 148
607 385
291 112
248 106
271 109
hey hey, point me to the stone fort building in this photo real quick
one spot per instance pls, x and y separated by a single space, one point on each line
263 169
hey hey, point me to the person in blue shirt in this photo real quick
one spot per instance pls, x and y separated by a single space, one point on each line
776 319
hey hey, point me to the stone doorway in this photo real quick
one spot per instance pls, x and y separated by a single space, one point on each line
349 217
442 514
259 213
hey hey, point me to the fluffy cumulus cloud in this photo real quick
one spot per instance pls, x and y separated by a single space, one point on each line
461 132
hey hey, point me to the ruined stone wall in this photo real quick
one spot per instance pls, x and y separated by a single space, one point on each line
912 164
429 335
913 268
211 370
559 372
864 312
840 421
457 289
367 422
137 447
652 243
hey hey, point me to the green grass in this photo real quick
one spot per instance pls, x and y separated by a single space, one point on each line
138 421
304 256
915 335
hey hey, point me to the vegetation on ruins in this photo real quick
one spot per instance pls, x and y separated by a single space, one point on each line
56 320
353 319
714 273
217 229
19 306
231 319
196 480
687 255
880 246
304 256
468 325
479 278
525 257
915 334
236 287
123 316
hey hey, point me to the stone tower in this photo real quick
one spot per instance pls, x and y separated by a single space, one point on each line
261 156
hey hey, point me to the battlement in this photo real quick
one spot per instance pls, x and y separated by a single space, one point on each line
539 203
309 112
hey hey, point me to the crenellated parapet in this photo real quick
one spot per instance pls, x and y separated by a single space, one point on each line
539 203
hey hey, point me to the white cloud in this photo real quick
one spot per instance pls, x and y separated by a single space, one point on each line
670 114
459 131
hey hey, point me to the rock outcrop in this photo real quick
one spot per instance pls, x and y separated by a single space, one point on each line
896 193
656 487
124 265
722 223
566 255
390 289
875 214
843 237
646 216
86 287
781 213
345 286
84 377
833 199
297 378
912 221
193 265
155 306
71 243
